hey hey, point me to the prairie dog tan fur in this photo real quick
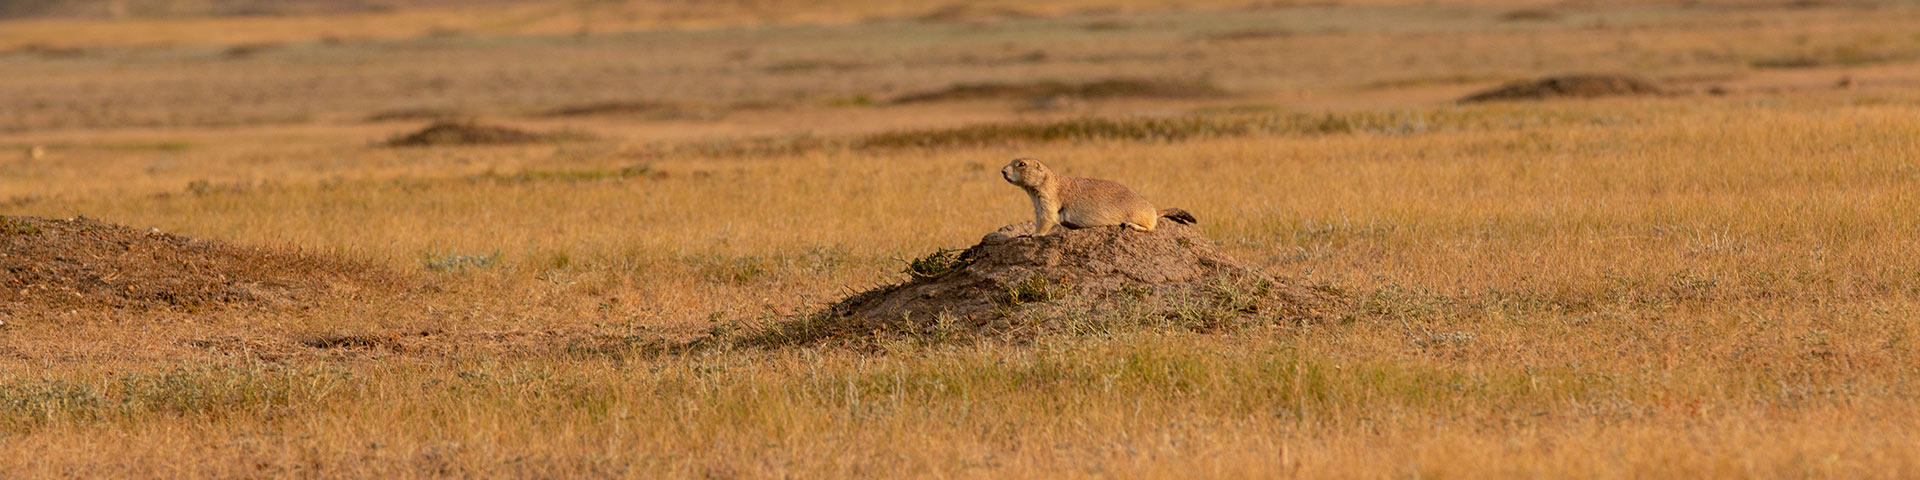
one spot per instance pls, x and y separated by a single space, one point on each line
1060 200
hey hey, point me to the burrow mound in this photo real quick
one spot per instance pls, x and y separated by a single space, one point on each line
467 132
1569 86
1097 270
957 12
85 263
1101 89
420 113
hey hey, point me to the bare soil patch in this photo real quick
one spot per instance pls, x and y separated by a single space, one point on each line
85 263
465 132
1569 86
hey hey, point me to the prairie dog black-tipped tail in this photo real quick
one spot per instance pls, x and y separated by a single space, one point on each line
1179 216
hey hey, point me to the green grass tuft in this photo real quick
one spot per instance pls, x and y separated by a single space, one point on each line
14 226
1036 289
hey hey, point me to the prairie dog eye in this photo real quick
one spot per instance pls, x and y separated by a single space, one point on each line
1020 164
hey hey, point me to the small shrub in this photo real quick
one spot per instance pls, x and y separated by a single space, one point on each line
933 264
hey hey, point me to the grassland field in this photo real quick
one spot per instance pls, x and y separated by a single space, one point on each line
1720 281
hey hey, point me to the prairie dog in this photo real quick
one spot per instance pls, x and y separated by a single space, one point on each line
1060 200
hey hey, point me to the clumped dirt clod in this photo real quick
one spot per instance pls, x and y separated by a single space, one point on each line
464 132
1569 86
85 263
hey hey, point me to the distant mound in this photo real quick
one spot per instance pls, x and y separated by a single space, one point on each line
1072 281
420 113
465 132
1101 89
959 12
84 263
613 108
1568 86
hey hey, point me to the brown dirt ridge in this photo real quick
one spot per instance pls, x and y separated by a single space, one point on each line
1569 86
86 263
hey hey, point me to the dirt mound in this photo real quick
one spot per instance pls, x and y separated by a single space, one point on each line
1530 15
1569 86
959 12
420 113
1087 280
613 108
1101 89
84 263
463 132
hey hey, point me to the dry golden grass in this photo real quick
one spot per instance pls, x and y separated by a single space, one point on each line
738 76
545 17
1681 286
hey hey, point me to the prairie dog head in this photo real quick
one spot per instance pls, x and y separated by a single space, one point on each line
1026 173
